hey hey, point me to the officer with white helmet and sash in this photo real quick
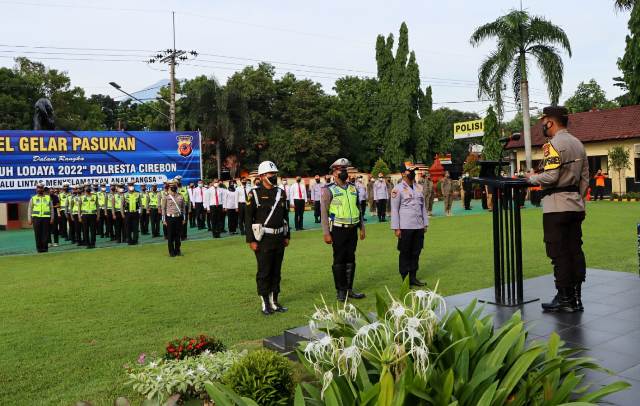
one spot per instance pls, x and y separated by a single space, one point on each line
341 219
267 233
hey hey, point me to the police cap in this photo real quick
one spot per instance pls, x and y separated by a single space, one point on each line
342 162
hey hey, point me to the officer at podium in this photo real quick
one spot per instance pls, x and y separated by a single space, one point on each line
564 179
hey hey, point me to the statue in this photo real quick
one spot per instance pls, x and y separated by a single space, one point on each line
43 118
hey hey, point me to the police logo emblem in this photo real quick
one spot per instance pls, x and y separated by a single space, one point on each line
184 145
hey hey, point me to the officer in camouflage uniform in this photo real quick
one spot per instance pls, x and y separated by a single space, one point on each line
564 181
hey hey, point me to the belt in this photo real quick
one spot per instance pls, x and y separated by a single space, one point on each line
548 192
274 231
174 215
345 225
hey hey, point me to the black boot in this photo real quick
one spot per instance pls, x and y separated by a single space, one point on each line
414 281
350 273
578 293
340 281
266 305
273 300
564 302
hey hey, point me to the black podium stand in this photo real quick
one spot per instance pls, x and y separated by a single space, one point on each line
507 234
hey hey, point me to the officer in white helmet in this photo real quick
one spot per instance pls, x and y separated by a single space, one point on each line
267 233
342 223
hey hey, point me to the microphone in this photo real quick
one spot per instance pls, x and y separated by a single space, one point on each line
512 137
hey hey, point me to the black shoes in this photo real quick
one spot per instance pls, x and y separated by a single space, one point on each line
563 302
341 295
578 295
350 274
413 281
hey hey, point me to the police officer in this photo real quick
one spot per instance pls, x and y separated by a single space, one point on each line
131 207
341 220
154 210
427 191
144 210
446 187
267 233
380 195
564 181
315 190
39 213
187 204
118 216
88 214
101 214
467 189
62 218
174 218
109 211
242 192
163 194
362 195
214 200
73 210
409 221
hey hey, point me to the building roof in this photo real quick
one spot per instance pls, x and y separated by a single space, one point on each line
593 126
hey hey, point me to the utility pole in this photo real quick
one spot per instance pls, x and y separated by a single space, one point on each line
171 57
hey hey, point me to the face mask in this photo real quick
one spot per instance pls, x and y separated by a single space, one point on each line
317 180
343 175
154 189
244 183
131 188
200 184
88 191
411 175
380 177
327 180
298 180
40 191
545 129
272 179
174 188
232 187
215 185
104 189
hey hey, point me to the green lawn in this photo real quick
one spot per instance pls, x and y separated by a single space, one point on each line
71 320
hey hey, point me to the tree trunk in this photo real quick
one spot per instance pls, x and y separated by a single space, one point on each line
526 121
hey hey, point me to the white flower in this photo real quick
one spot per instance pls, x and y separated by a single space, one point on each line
349 360
189 372
158 378
206 352
201 368
327 377
372 335
420 360
153 364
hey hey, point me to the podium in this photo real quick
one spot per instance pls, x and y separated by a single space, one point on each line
507 234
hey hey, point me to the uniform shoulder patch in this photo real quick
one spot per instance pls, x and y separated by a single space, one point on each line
394 193
551 157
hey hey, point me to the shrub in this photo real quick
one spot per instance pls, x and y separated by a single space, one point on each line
264 376
181 348
161 378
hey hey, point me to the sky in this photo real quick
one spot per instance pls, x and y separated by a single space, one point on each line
99 42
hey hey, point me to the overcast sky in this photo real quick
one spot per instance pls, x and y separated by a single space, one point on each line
331 38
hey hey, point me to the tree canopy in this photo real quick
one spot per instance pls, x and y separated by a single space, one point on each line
588 96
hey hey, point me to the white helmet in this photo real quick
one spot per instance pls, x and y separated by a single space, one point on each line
266 167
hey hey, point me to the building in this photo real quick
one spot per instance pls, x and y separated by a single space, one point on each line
599 130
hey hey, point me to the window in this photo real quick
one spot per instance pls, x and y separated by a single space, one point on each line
636 163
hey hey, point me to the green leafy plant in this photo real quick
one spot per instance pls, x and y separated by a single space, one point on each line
264 376
181 348
619 160
468 363
160 379
380 167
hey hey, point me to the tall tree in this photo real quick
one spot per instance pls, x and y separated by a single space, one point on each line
397 112
619 161
629 64
588 96
624 4
520 36
492 148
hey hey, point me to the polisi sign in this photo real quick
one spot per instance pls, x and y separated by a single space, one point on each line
468 129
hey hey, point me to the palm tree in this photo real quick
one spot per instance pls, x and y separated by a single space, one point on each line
520 36
624 5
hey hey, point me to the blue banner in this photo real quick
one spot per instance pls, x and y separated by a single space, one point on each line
79 157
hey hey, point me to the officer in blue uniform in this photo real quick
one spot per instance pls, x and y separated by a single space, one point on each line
409 221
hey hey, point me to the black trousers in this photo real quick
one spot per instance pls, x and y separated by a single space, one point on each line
467 200
89 226
316 210
599 191
41 232
269 268
53 229
381 208
118 227
241 210
199 215
184 226
144 222
77 230
155 222
363 207
563 242
108 222
131 225
345 241
174 232
100 224
216 220
192 215
233 220
410 245
298 207
223 220
62 225
72 229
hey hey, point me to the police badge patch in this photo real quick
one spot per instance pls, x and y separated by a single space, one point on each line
551 157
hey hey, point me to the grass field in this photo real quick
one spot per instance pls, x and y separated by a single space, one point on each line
71 320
